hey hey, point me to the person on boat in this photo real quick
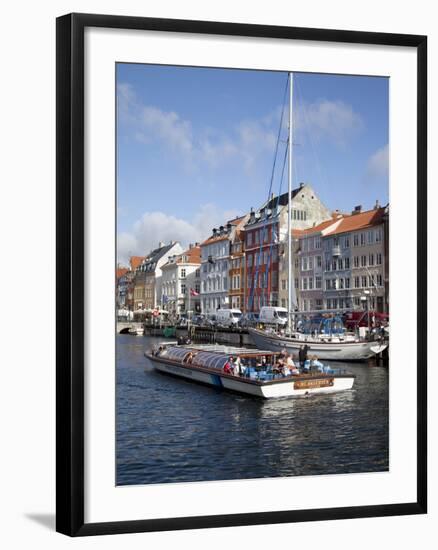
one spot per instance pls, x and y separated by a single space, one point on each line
285 370
315 364
239 369
228 367
189 358
302 354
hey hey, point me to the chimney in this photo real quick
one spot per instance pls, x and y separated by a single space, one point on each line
221 230
196 244
160 244
357 209
190 246
252 214
214 231
302 185
377 205
228 227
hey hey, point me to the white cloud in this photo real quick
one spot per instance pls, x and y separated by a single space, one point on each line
206 148
378 163
156 226
334 121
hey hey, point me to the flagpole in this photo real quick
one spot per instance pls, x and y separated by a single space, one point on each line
188 313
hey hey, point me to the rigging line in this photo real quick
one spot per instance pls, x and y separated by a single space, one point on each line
300 95
278 234
263 234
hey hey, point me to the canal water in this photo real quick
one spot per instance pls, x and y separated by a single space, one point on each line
171 430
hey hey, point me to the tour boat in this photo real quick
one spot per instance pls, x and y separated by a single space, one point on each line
205 364
335 348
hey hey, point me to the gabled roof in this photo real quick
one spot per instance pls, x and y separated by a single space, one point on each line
135 261
356 222
193 255
120 271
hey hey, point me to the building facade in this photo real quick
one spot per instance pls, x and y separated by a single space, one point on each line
181 282
266 245
215 267
147 287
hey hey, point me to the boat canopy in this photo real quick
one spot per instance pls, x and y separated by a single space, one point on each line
211 360
323 325
177 353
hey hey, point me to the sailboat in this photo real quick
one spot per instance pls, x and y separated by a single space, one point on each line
336 347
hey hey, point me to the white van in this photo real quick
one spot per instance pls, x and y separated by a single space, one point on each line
273 316
228 317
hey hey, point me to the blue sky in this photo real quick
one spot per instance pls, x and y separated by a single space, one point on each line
195 146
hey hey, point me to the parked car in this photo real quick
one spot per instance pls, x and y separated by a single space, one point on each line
270 315
228 317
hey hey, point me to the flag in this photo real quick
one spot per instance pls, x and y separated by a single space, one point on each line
165 299
193 292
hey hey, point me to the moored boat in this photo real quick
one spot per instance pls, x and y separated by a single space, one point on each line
258 376
334 348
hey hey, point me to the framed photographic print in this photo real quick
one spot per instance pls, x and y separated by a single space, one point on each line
233 347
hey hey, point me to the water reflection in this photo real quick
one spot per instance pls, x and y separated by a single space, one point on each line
174 430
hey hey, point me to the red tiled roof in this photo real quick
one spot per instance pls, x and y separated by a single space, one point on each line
135 261
356 222
193 255
120 271
215 239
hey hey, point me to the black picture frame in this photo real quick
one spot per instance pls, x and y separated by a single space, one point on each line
70 273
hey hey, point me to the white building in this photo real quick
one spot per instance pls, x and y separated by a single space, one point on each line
181 283
215 266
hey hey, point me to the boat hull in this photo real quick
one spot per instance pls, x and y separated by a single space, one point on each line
334 351
290 387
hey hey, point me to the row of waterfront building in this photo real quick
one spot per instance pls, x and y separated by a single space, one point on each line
340 261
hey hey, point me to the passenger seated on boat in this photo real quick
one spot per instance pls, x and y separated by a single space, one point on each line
189 358
239 368
228 367
315 365
285 370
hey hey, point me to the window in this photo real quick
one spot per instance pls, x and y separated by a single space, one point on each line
355 239
379 258
249 239
183 289
317 243
370 237
379 280
327 284
347 282
304 283
318 282
310 283
318 261
364 281
356 261
371 259
318 303
363 261
249 260
183 273
283 284
197 273
296 282
341 283
347 263
297 263
304 263
340 263
347 242
310 262
372 281
356 282
334 265
357 301
341 303
378 235
198 288
329 304
362 239
256 237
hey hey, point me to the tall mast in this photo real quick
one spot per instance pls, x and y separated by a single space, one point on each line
289 205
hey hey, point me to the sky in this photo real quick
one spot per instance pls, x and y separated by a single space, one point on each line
197 146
